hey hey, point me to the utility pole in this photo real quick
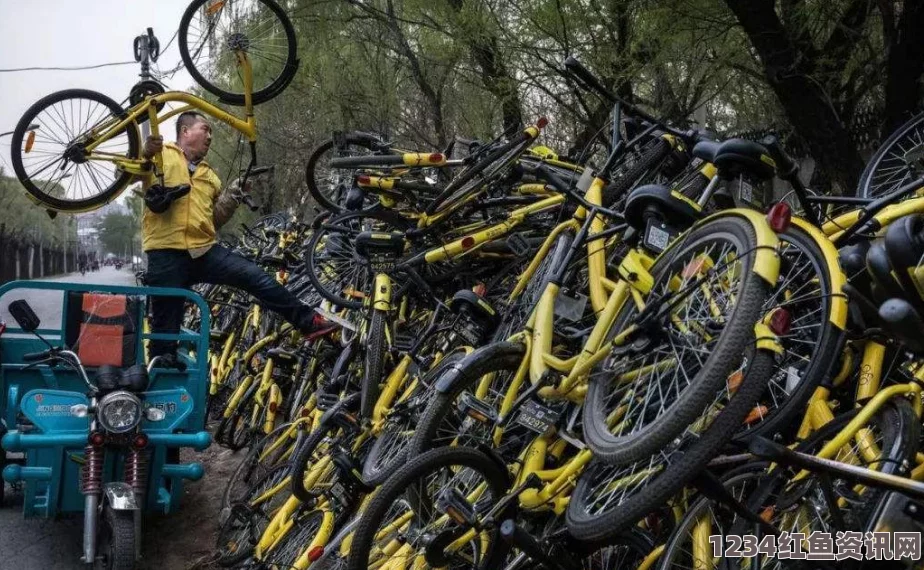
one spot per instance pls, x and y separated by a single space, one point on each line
147 50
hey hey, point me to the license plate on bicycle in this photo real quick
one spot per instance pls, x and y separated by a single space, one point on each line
537 417
339 495
381 264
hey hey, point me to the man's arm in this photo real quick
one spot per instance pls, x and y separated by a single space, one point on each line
224 209
227 202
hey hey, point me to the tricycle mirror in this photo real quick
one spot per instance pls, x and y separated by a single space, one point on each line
24 315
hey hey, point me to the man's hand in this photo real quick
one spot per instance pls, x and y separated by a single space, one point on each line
237 191
152 146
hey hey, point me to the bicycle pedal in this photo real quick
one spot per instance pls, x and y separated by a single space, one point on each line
403 342
518 245
453 504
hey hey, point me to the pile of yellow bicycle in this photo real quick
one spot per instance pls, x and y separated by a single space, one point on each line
524 361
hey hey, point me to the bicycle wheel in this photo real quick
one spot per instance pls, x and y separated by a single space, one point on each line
469 180
457 417
54 166
248 518
314 448
406 520
683 551
268 454
648 392
634 169
805 290
327 185
898 161
608 499
375 356
290 547
211 31
337 272
390 449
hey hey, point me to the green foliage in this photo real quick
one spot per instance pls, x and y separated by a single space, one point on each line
421 72
117 232
23 221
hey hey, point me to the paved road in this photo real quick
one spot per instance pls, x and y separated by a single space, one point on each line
171 542
47 304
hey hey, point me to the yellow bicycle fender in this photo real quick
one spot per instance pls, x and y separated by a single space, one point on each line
766 260
838 315
766 339
381 299
275 399
235 400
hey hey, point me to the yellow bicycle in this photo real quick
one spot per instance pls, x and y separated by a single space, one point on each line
76 150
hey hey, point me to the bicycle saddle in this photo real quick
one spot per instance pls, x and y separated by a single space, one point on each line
737 156
904 246
158 198
706 150
475 305
657 200
382 243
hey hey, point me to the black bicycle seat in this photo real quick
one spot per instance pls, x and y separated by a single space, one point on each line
735 156
657 198
158 197
706 150
381 243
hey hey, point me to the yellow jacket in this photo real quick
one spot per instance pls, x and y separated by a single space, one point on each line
189 223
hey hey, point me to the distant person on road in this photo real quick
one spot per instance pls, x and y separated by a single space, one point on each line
180 242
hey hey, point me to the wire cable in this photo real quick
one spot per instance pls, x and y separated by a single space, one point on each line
79 68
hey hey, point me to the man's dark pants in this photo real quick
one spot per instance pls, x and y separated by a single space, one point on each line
176 268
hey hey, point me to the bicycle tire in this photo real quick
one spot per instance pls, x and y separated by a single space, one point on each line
627 181
498 357
247 470
700 390
376 353
390 449
311 167
230 550
888 168
395 488
261 95
662 486
44 195
329 279
516 146
674 545
818 350
298 465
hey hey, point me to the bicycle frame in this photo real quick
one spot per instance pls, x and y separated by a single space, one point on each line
140 166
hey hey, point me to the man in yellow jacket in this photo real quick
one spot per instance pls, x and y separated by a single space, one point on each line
181 243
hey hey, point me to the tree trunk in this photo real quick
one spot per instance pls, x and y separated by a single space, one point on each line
807 105
495 76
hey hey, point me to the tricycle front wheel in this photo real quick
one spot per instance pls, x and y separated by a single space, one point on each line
116 549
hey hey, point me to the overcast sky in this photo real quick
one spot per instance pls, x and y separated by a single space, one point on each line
68 33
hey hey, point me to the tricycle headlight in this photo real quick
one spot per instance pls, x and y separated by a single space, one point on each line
119 412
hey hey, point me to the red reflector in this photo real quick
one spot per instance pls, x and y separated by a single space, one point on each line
304 413
780 322
140 441
97 439
542 122
364 179
315 553
481 289
273 407
779 216
436 157
468 241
